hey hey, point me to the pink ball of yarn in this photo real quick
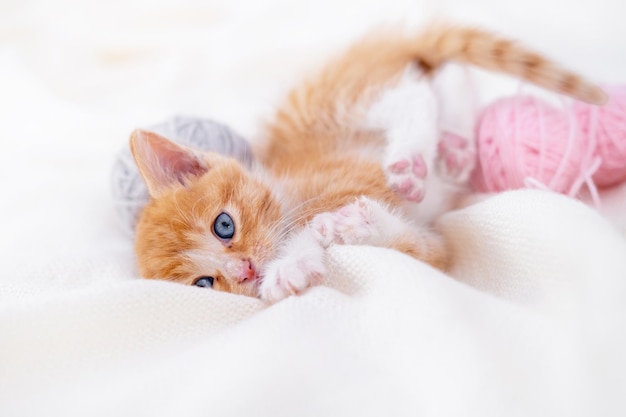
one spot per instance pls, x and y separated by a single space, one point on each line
605 126
523 141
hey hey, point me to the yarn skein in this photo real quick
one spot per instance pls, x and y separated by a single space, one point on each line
606 125
523 141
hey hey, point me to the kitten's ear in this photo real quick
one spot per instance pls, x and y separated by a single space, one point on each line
163 163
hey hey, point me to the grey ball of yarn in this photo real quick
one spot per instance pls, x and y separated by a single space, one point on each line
130 193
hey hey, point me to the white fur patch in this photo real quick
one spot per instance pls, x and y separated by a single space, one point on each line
408 113
299 265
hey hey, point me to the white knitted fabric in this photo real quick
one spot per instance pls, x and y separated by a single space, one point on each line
395 338
531 321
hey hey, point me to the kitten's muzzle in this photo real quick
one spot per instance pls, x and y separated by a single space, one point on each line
248 271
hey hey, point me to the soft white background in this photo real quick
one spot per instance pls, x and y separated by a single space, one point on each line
79 335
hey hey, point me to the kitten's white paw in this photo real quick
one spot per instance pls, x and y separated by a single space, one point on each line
351 224
285 277
406 176
456 158
300 267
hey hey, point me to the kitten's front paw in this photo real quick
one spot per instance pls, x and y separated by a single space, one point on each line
291 275
351 224
456 157
406 176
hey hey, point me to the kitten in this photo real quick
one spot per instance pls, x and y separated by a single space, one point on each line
345 162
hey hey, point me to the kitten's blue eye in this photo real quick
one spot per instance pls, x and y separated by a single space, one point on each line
204 282
224 227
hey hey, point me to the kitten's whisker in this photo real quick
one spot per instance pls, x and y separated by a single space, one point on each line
287 215
287 223
287 226
298 206
185 217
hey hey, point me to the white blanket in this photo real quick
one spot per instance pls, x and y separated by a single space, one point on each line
531 321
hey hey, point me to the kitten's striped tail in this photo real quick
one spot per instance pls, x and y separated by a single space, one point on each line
441 42
352 80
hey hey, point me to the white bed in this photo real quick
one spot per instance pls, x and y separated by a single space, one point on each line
533 321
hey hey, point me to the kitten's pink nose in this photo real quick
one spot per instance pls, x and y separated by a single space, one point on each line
248 271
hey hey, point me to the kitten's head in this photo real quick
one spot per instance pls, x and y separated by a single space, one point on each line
209 222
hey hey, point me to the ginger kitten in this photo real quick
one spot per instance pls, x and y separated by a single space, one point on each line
346 161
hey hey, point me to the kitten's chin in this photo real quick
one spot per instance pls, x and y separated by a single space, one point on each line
249 289
252 288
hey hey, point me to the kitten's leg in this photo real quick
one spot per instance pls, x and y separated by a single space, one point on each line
456 151
368 222
408 113
456 158
299 265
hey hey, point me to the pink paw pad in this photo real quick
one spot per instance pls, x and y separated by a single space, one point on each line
406 176
456 157
323 226
348 225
